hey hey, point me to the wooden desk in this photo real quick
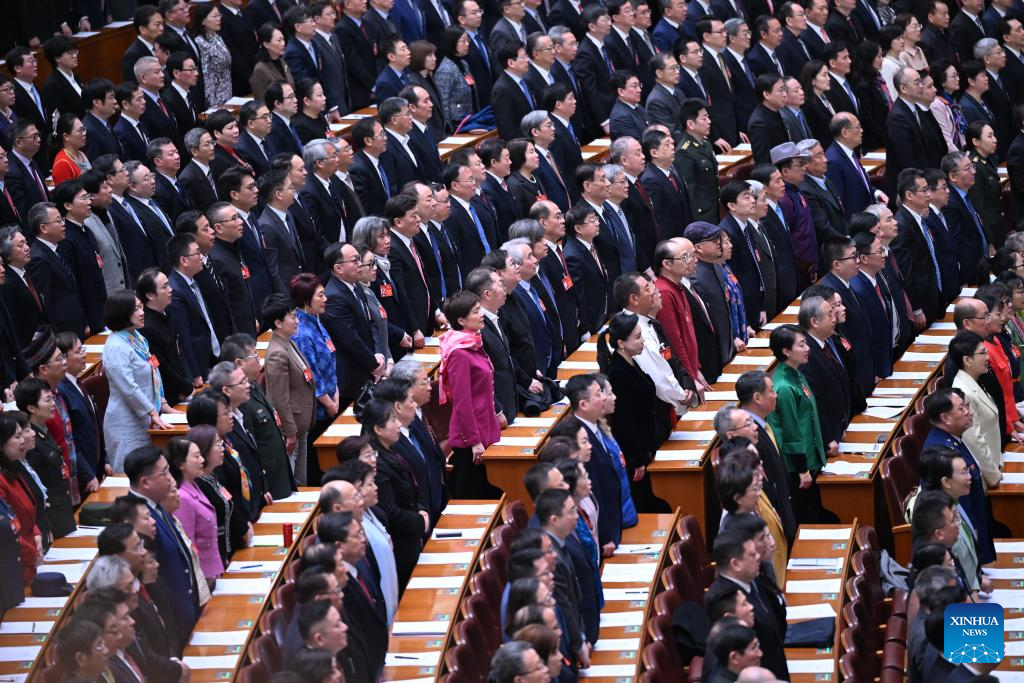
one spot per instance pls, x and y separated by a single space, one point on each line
99 54
597 151
814 541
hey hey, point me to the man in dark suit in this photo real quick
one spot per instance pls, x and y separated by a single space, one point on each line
494 155
394 76
509 28
843 264
974 245
637 206
229 267
280 237
627 116
189 311
997 98
1009 33
143 244
845 172
709 285
762 56
793 52
407 264
825 372
664 186
746 258
843 26
472 232
101 105
511 97
59 95
196 179
586 268
766 127
816 14
24 180
482 65
359 53
565 116
743 79
240 37
593 69
129 129
184 72
399 158
823 198
149 24
280 100
347 320
372 179
738 566
935 38
840 93
876 300
260 12
52 274
302 54
669 29
156 117
538 310
334 70
28 102
666 100
18 290
967 29
906 147
554 268
422 141
719 83
170 196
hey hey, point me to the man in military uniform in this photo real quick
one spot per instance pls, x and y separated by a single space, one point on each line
695 161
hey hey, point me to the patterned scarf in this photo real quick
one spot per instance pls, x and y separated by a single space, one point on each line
140 346
450 341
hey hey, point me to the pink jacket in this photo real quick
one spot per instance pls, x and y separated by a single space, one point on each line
199 520
470 383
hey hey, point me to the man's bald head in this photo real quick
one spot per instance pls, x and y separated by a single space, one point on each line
756 674
966 311
340 496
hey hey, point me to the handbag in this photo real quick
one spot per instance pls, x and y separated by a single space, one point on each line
364 397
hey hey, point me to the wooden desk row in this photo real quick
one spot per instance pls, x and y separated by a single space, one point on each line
99 53
228 619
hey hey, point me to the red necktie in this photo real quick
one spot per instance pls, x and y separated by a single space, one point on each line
10 203
366 589
33 292
881 299
163 108
673 181
561 258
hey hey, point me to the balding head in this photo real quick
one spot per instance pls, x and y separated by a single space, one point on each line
341 496
756 674
967 314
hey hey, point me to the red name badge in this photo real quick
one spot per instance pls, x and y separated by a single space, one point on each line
807 391
15 526
245 272
846 344
542 306
224 492
470 81
277 419
65 473
99 261
383 313
567 283
308 374
154 362
666 352
386 290
330 345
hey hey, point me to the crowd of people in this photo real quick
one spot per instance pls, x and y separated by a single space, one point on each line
205 200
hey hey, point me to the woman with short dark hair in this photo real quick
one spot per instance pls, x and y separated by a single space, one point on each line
211 449
17 494
526 188
309 123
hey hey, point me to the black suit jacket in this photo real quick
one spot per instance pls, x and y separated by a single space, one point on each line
769 624
135 51
197 186
462 232
722 105
566 152
838 96
359 50
240 37
158 124
964 34
766 130
166 345
505 206
60 294
369 186
663 107
184 115
743 95
593 77
187 318
709 287
830 385
252 154
333 73
399 165
847 29
23 188
563 14
156 231
510 106
168 198
591 281
227 264
22 307
625 120
346 321
640 212
414 289
670 202
141 249
59 96
970 249
906 147
567 299
481 66
133 146
99 138
496 346
281 248
776 483
826 210
791 53
323 207
82 254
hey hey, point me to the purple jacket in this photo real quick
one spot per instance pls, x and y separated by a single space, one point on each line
800 224
470 383
199 520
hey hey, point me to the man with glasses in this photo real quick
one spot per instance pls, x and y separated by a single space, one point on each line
373 179
28 103
196 178
399 158
915 247
843 261
230 267
945 240
906 146
283 105
509 28
51 271
179 97
472 230
24 179
683 317
974 245
713 247
844 168
876 300
100 106
254 146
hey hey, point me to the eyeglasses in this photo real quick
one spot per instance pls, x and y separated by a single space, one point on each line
58 360
33 136
685 258
59 221
238 384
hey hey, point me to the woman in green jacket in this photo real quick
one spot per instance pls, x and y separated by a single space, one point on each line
795 422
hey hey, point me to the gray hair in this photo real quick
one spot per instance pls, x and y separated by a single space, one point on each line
611 170
131 166
876 210
756 188
366 231
507 662
984 47
723 420
733 26
619 147
527 229
516 254
142 65
106 571
930 585
314 151
1014 241
535 119
194 137
557 34
37 215
406 370
220 375
951 162
7 241
810 307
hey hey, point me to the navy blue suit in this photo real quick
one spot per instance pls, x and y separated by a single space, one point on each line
253 155
747 268
671 205
300 62
664 36
389 84
505 206
100 138
849 181
586 574
282 138
409 19
85 428
346 321
57 290
187 318
132 144
607 489
857 329
141 249
23 188
556 190
543 336
879 316
590 281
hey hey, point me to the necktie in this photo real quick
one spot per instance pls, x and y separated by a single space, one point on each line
671 179
214 343
607 60
771 435
130 663
160 214
135 217
977 225
747 71
479 229
532 291
38 101
824 35
931 251
35 176
625 224
416 445
753 254
483 50
32 290
366 589
10 202
881 299
438 231
782 218
775 61
526 92
213 183
804 128
874 17
803 47
65 264
597 260
725 70
416 259
830 345
860 171
384 180
437 258
696 78
361 297
572 134
853 98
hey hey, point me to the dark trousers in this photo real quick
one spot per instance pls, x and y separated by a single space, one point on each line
807 505
468 480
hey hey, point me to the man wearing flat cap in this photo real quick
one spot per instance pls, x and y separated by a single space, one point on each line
791 159
717 287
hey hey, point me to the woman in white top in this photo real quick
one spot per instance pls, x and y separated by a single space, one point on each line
891 40
970 357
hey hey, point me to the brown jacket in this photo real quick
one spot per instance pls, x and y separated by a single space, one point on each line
288 389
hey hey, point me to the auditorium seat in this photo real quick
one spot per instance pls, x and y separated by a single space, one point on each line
515 514
662 664
460 659
696 549
502 535
681 579
487 583
476 607
99 389
284 598
917 426
898 484
253 673
265 651
275 622
495 559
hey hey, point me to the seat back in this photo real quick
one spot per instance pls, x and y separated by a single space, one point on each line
98 388
897 484
515 514
253 673
275 623
659 657
917 426
265 651
284 598
461 660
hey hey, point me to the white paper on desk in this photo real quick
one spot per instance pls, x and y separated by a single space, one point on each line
462 534
268 541
968 291
771 326
93 348
919 356
750 359
43 603
742 147
636 549
212 662
626 572
691 436
695 415
62 554
533 422
445 558
243 586
578 365
858 447
118 24
458 140
1013 625
17 678
255 566
301 497
431 341
219 638
726 378
814 586
86 34
894 391
25 653
1013 478
843 468
757 343
791 310
412 658
933 340
796 612
344 430
22 627
689 455
1013 457
420 628
427 357
238 102
1009 547
950 326
72 572
896 401
589 347
1003 573
720 395
904 374
797 563
608 670
518 441
625 594
617 644
614 619
175 418
876 156
115 482
469 509
884 412
876 427
1007 597
1013 648
284 518
811 666
839 534
436 581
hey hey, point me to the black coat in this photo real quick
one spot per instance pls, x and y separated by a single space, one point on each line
100 138
57 290
348 325
640 420
592 74
670 202
142 249
970 248
227 264
496 346
710 288
766 130
281 248
906 148
964 35
183 112
240 37
58 96
398 494
170 199
519 335
510 106
414 288
368 633
197 186
24 190
133 145
829 382
462 232
776 483
722 107
47 460
505 206
158 124
80 249
165 344
566 298
155 229
369 185
187 319
591 281
769 624
22 306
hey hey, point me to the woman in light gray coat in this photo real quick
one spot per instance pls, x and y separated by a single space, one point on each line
136 392
378 318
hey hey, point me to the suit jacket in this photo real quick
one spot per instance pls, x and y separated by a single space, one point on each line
184 114
776 483
670 202
240 37
969 239
855 191
936 43
496 346
999 103
25 107
282 138
464 236
530 348
503 33
769 623
840 99
100 138
133 145
592 282
187 318
135 51
744 98
607 489
626 120
155 229
281 246
766 130
399 165
262 422
59 96
158 124
830 385
664 107
591 72
57 290
510 106
481 66
197 186
906 146
761 62
252 154
82 254
719 86
847 29
793 53
746 264
553 185
505 206
84 424
166 345
22 306
798 129
22 186
368 632
826 210
665 36
353 212
879 312
815 45
172 201
333 73
964 34
323 207
915 264
708 284
227 264
783 259
347 322
414 289
640 211
586 575
818 116
142 248
424 145
389 84
361 64
369 185
858 330
566 151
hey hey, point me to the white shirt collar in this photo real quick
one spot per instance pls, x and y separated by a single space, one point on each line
181 90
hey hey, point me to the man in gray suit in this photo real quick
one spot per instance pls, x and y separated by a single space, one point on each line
666 99
108 243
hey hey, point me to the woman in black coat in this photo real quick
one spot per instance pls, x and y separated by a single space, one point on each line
817 109
873 101
153 290
35 399
641 421
310 123
525 187
397 489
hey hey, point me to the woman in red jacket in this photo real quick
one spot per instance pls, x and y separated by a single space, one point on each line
16 492
467 382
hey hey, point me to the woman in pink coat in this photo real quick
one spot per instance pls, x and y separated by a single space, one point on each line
197 515
467 382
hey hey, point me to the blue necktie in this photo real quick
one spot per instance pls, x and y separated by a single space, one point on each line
384 180
931 250
131 212
753 255
782 219
551 295
835 352
526 92
483 51
977 225
437 258
416 445
607 60
480 229
160 214
853 98
444 236
572 134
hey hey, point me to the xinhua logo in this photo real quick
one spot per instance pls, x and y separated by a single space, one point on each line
973 633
